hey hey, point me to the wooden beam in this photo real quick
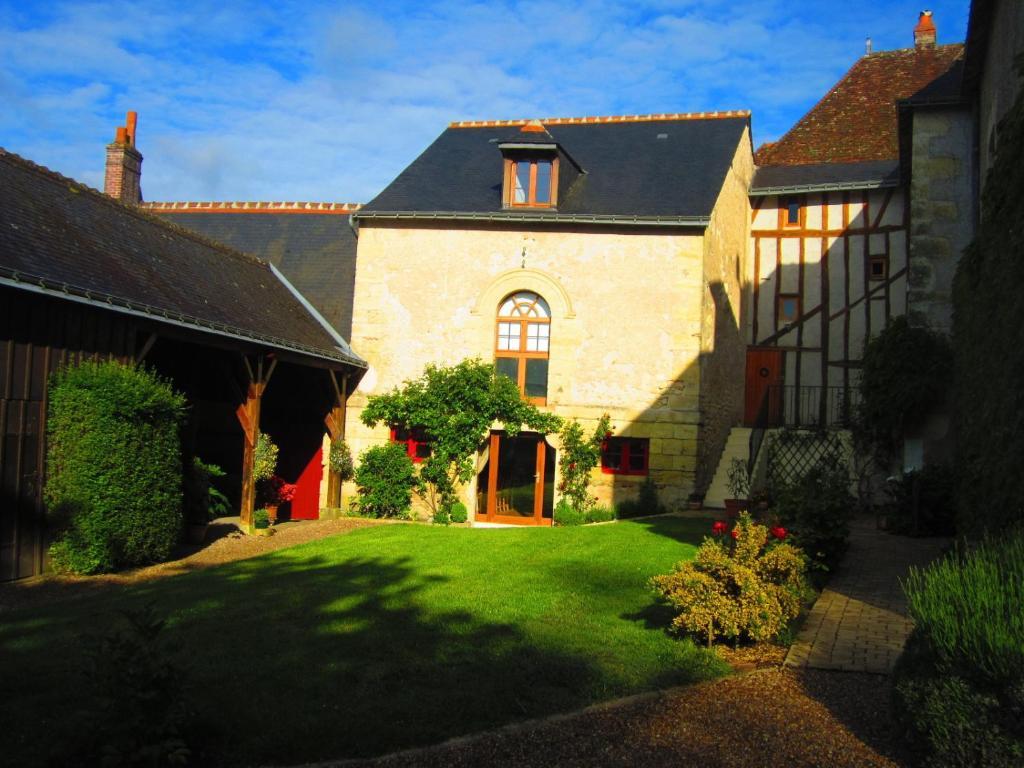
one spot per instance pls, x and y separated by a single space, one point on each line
335 422
146 346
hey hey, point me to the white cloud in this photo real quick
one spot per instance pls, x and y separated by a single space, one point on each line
302 100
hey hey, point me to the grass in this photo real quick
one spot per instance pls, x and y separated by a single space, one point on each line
378 640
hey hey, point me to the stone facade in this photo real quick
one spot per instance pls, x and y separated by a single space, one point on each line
635 314
941 211
999 82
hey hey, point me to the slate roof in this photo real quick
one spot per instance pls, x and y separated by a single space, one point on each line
316 250
629 174
65 239
779 179
856 120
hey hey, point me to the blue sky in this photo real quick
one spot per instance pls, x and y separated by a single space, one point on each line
329 101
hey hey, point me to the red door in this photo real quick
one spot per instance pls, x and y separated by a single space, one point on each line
306 504
764 370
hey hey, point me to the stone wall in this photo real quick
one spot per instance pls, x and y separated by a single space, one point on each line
626 332
725 291
941 212
999 82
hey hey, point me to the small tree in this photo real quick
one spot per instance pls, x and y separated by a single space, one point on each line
114 470
456 407
579 455
385 479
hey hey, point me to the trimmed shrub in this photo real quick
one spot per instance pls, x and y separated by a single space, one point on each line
261 519
114 472
385 480
458 512
741 585
960 683
645 503
816 508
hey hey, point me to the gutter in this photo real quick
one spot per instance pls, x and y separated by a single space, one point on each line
555 218
831 186
26 282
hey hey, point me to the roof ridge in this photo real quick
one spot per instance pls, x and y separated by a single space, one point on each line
601 119
913 49
133 210
250 206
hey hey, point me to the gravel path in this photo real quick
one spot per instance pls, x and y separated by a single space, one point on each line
763 719
224 544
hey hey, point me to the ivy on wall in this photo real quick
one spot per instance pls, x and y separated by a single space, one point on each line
988 318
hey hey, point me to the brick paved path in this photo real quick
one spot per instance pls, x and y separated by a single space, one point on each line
859 623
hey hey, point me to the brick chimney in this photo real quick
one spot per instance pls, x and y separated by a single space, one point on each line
924 32
124 164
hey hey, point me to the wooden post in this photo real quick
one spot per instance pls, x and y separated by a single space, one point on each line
248 414
335 421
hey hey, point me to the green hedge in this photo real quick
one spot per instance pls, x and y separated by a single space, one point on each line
960 682
114 471
989 359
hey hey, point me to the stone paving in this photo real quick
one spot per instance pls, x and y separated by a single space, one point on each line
859 623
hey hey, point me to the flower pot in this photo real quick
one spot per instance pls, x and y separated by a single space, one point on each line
263 531
272 512
694 504
733 507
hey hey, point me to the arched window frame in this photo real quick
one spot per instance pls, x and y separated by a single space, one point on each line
524 321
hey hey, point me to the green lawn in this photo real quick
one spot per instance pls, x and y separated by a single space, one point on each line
382 639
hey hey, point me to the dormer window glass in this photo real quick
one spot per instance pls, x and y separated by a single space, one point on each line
532 181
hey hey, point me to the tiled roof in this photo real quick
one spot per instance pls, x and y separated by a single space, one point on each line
778 179
646 169
856 121
601 119
251 206
314 247
65 239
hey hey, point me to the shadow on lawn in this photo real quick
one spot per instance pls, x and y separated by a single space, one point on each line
292 659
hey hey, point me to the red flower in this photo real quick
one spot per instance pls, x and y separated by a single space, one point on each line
734 533
284 492
572 465
718 528
778 532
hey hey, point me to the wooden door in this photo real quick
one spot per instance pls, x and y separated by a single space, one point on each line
306 504
517 484
764 370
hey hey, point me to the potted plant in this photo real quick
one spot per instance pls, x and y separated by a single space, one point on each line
261 523
739 487
278 492
263 467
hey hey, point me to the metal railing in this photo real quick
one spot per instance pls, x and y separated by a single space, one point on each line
801 407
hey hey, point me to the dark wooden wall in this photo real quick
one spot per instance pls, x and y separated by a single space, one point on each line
37 336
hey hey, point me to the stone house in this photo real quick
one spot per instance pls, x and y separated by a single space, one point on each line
598 261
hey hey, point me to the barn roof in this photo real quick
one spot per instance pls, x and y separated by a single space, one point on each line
65 239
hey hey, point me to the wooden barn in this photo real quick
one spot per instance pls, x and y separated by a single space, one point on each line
84 276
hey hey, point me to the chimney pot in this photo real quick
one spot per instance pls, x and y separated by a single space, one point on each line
130 122
925 32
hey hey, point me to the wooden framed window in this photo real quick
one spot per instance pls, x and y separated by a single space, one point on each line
878 268
625 455
531 182
789 308
522 343
790 211
416 441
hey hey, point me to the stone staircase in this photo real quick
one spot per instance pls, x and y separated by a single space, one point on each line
737 446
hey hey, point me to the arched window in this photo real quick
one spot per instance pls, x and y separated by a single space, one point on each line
522 340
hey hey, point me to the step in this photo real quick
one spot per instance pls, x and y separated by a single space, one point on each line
737 446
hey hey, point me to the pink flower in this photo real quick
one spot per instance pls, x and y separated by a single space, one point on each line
718 528
778 532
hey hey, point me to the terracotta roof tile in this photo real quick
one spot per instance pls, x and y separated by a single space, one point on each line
856 120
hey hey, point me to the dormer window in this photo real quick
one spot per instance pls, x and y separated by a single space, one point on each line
531 181
531 168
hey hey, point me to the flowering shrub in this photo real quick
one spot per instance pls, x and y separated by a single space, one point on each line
282 491
265 458
579 456
742 584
